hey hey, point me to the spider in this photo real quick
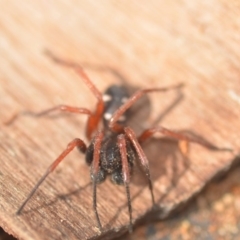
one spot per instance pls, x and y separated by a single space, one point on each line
114 148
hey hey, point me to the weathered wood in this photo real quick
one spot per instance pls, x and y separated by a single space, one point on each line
155 44
213 214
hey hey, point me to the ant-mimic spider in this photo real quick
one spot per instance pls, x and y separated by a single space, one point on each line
114 148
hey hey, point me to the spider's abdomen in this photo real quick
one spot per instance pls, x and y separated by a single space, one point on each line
110 157
110 162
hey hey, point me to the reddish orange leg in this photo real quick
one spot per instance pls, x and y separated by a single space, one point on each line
113 122
94 172
95 117
179 136
75 143
126 174
143 159
63 108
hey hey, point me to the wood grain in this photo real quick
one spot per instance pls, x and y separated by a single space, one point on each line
154 44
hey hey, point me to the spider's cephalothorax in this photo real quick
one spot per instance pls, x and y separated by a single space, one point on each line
114 148
114 97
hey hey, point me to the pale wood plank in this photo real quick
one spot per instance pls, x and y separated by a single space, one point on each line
154 44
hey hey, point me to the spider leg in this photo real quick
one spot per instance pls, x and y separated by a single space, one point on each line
142 157
95 117
179 136
75 143
94 172
113 121
63 108
121 141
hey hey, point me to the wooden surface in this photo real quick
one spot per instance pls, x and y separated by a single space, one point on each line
213 214
155 44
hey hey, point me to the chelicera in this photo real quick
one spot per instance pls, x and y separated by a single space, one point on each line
114 148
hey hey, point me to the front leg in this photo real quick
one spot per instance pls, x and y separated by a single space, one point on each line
121 141
75 143
97 141
142 157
